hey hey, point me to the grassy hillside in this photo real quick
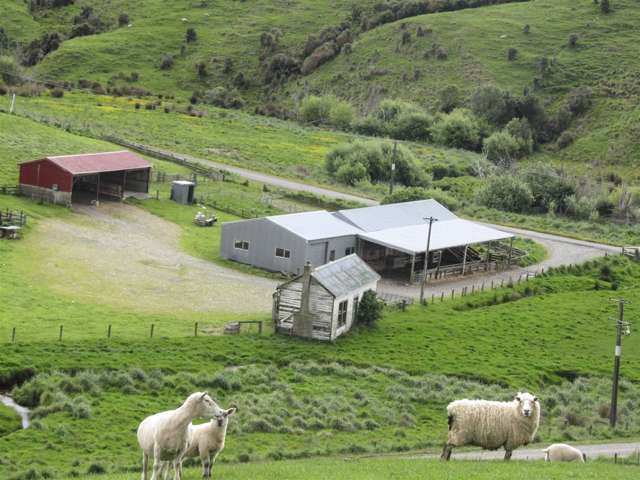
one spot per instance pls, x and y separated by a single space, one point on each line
9 421
605 59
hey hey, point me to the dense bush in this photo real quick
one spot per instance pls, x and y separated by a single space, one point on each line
41 47
10 72
506 192
580 100
501 148
520 129
548 187
320 55
224 98
458 129
279 67
316 110
370 308
449 98
341 115
87 23
415 126
44 4
57 93
191 35
123 19
166 62
371 126
496 106
371 161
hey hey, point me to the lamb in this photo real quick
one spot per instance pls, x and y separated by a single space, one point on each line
561 452
207 440
164 436
492 425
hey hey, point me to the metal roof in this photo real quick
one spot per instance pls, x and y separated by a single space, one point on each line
345 275
382 217
444 234
88 163
314 225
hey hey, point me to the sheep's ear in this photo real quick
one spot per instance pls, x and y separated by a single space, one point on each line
535 399
204 395
230 411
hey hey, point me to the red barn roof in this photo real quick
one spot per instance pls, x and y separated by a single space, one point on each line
87 163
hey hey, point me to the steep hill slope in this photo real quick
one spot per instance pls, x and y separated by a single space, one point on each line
477 41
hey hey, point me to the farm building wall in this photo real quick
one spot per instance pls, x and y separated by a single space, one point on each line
263 237
45 174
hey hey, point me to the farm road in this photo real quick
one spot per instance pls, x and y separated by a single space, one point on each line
121 255
536 453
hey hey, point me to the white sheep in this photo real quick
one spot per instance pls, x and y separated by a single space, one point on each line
207 440
492 425
561 452
164 436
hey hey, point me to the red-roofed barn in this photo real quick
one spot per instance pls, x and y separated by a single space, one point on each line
85 177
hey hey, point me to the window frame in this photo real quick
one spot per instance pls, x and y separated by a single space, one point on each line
286 253
349 250
242 245
343 312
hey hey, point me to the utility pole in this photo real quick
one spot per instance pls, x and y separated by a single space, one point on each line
393 167
622 327
426 259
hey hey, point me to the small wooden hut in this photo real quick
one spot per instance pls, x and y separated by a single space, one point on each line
322 303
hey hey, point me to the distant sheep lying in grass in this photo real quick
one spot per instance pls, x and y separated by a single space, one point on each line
561 452
164 436
207 440
492 425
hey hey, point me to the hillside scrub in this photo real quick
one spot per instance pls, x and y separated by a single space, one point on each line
371 161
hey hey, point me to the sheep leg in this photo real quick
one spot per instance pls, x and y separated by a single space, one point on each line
145 465
446 452
177 467
206 467
507 454
157 469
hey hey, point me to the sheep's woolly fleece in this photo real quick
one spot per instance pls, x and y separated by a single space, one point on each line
492 425
561 452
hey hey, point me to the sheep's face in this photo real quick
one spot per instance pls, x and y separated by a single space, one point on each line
223 418
206 407
527 403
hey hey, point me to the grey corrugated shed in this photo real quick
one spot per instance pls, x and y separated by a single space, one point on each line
314 225
345 275
382 217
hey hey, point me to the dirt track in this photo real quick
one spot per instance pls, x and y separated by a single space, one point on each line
121 255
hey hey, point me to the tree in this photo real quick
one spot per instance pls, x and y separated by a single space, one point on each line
370 308
495 105
123 19
501 148
449 99
191 35
459 129
512 54
506 192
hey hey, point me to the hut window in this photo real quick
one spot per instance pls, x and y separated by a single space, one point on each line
332 255
342 313
283 253
241 245
349 251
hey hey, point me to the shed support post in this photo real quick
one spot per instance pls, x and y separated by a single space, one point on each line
510 252
124 185
98 190
412 277
464 259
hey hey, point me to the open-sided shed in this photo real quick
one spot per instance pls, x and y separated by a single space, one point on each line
89 176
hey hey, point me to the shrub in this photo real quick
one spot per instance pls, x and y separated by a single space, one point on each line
506 192
579 207
459 129
390 109
41 47
512 54
166 62
449 99
547 186
316 110
496 106
521 130
580 100
406 38
526 29
224 98
370 126
415 126
281 66
369 309
320 55
341 115
57 93
201 69
605 6
441 53
191 35
573 40
565 139
3 89
501 148
123 19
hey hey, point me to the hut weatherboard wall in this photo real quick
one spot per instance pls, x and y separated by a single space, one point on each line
322 303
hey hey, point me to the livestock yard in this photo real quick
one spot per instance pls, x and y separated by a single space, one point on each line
312 240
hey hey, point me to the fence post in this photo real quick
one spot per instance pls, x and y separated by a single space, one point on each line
13 335
433 298
441 296
60 335
452 293
482 290
260 327
195 330
153 326
157 194
109 331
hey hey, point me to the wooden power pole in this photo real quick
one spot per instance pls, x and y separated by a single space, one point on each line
426 259
621 327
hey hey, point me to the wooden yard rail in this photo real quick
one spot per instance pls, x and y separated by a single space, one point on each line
9 190
633 252
394 299
233 328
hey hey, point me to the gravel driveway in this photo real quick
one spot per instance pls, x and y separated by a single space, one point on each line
121 255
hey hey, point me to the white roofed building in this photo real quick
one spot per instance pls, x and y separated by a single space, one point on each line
392 239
